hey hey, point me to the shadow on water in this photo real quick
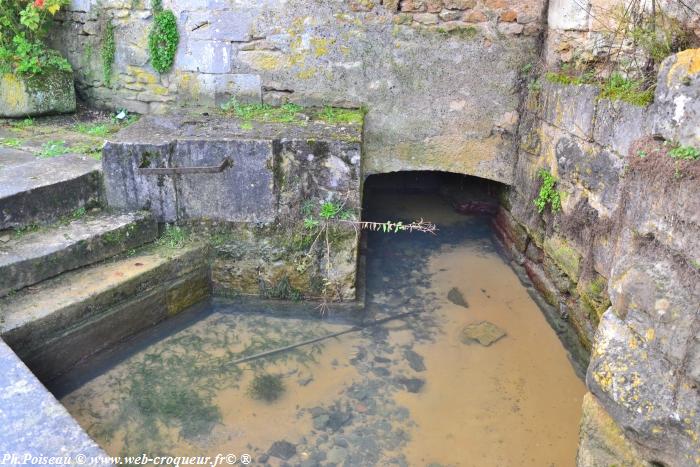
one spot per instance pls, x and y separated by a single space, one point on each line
426 389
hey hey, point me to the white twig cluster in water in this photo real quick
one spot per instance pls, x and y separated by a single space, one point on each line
420 226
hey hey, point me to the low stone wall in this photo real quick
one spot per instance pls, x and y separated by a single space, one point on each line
254 209
622 258
440 79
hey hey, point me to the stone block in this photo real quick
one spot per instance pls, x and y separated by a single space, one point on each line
676 108
619 124
204 56
52 92
569 14
569 107
220 25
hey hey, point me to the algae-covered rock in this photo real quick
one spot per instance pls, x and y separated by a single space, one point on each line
483 332
52 92
601 441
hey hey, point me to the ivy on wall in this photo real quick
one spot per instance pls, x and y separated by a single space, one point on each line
108 51
163 38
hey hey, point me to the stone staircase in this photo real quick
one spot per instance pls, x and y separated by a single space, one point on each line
75 277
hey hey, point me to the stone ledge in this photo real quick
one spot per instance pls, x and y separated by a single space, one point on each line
32 421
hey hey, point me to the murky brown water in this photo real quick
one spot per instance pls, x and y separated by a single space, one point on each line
407 392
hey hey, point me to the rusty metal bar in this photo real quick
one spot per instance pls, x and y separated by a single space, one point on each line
211 169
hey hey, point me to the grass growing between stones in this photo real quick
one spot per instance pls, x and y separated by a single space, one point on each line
11 142
614 88
53 148
618 87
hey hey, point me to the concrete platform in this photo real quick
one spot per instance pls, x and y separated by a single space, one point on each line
42 190
60 321
33 257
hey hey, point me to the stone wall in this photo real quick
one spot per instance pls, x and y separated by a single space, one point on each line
622 258
596 33
440 78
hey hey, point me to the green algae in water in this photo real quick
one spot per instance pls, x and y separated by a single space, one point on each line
266 387
169 392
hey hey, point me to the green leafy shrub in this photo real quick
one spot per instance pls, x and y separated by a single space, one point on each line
163 39
23 28
548 195
686 153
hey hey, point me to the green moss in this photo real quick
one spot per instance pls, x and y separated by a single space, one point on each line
335 115
263 112
565 257
290 113
463 32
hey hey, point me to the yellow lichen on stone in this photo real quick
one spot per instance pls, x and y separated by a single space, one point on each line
14 95
141 75
687 64
320 46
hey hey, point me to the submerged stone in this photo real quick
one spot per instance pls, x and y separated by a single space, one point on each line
282 450
412 384
415 360
483 332
456 297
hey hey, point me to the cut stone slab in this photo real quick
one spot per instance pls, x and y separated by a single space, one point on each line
263 162
456 297
46 189
33 257
51 92
32 421
10 157
483 332
62 320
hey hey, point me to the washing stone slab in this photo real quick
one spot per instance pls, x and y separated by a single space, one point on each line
43 190
32 421
32 257
63 320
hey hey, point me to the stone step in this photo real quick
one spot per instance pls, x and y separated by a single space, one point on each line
38 191
29 258
63 320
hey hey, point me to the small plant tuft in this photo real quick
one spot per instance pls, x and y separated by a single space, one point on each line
617 87
173 236
53 148
266 387
548 195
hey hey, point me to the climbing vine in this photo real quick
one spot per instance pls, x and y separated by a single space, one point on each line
108 51
163 38
548 195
